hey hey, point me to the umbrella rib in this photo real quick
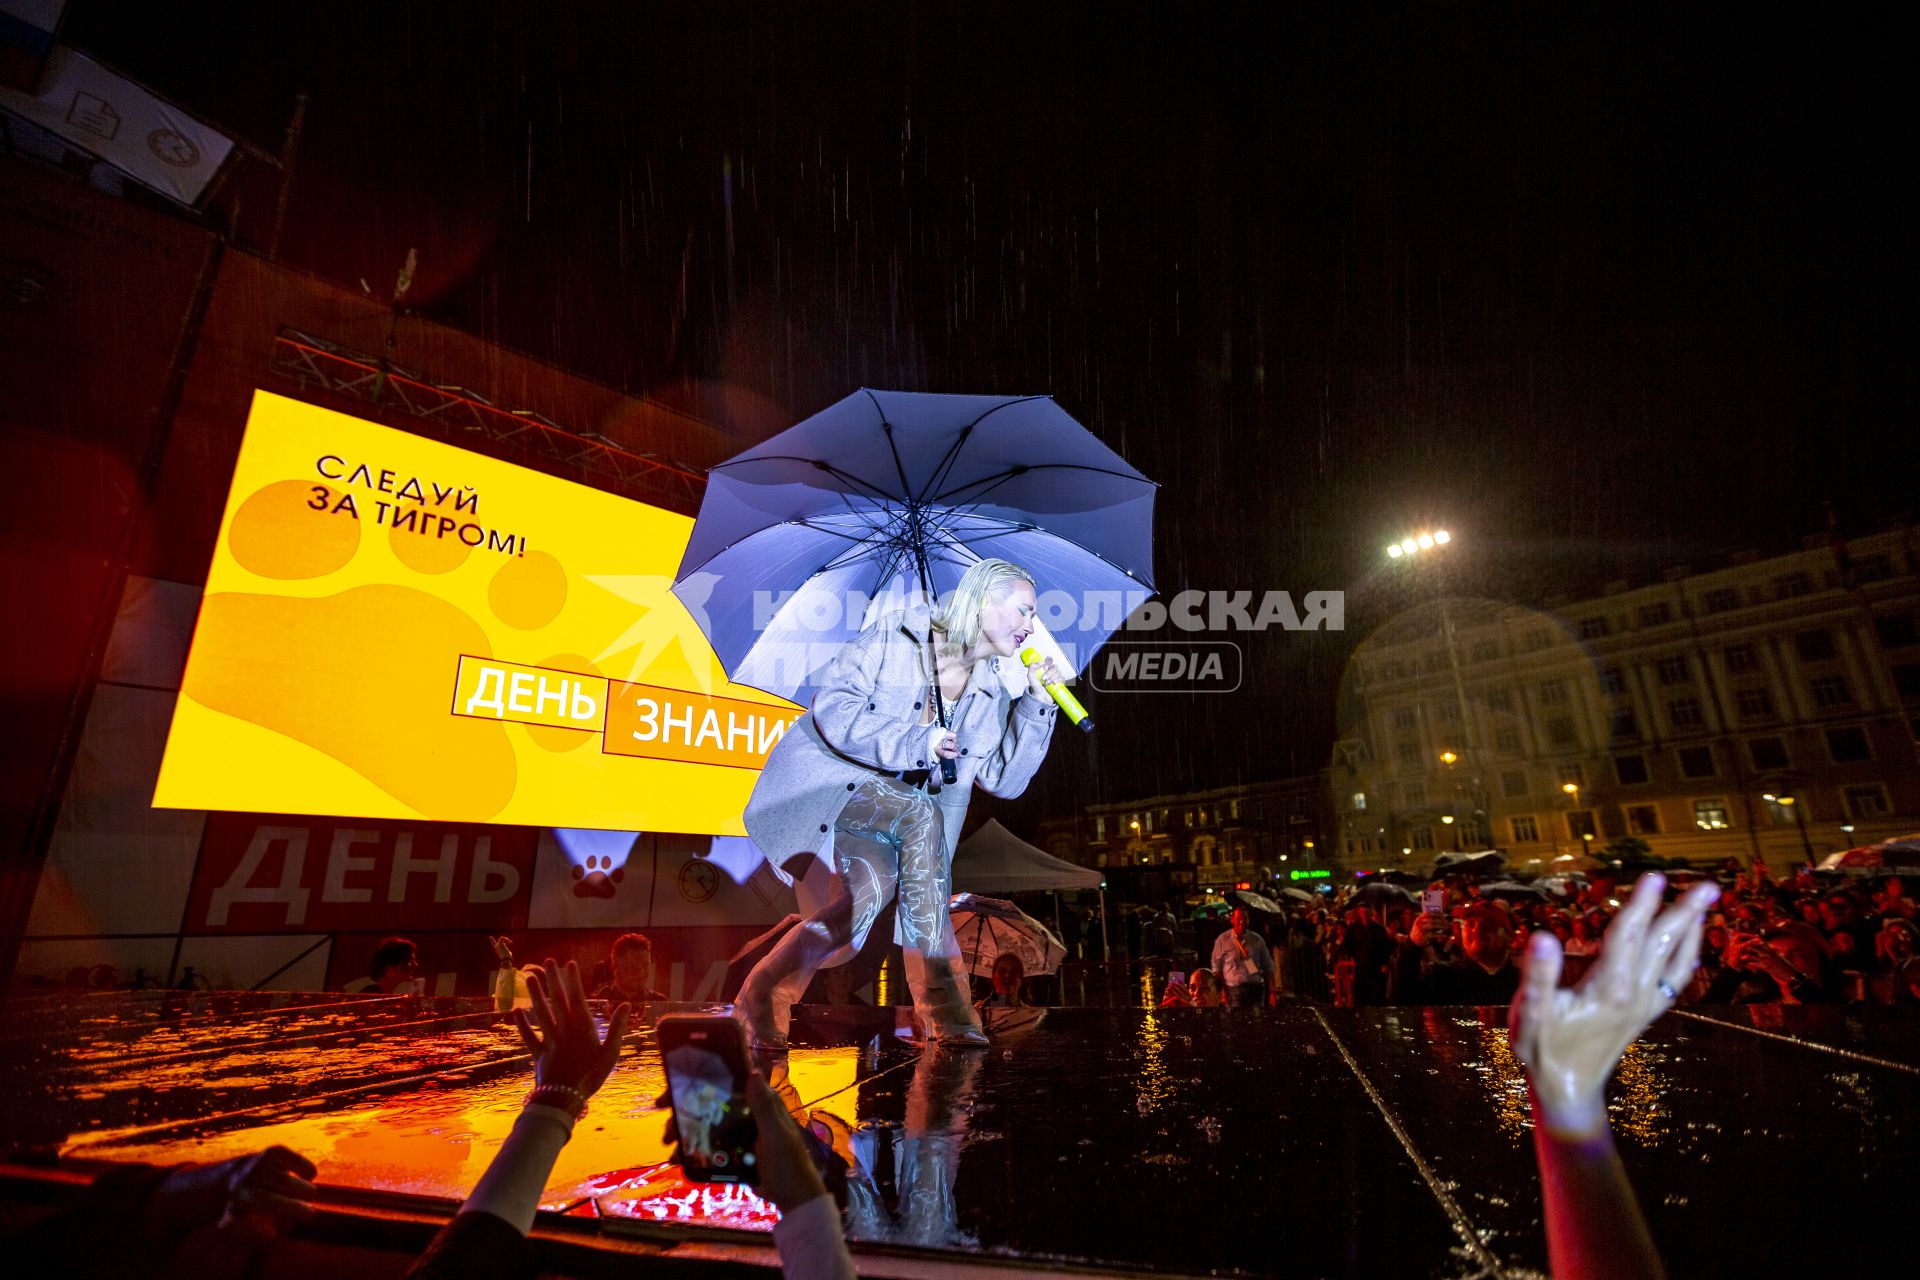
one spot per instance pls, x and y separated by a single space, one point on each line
863 516
1000 476
854 538
1015 526
802 523
953 454
827 467
886 429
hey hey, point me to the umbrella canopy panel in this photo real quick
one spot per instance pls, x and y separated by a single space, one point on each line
886 496
989 928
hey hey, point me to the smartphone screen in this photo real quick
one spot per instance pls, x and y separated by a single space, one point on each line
706 1061
1434 901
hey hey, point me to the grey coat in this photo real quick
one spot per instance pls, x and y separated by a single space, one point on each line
865 719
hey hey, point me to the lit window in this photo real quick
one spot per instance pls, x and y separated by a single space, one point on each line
1711 815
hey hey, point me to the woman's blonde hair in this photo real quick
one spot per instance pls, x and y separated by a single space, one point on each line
985 582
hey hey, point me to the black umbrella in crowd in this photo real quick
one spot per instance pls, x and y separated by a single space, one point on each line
1258 901
1512 891
1484 863
1384 896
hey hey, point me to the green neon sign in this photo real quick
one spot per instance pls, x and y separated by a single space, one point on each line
1313 874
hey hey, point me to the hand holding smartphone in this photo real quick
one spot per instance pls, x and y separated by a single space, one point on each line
707 1068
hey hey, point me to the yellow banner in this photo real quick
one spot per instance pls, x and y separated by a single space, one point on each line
397 628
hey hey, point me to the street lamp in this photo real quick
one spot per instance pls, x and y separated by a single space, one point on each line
1414 543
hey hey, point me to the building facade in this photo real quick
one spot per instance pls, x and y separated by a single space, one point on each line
1769 708
1225 834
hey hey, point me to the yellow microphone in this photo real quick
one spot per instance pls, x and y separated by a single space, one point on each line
1061 695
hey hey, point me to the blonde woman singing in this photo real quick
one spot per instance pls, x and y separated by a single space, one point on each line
857 780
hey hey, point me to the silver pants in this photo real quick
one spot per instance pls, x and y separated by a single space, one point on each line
889 843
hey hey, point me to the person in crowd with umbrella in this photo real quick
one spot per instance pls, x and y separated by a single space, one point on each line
1244 963
1009 975
855 780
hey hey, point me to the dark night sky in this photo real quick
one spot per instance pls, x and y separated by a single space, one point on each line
1598 286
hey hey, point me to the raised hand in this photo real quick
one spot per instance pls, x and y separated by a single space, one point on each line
568 1053
1570 1040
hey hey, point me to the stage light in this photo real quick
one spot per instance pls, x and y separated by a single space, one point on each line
1442 537
1394 552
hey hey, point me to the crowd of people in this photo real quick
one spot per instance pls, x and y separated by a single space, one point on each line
1796 940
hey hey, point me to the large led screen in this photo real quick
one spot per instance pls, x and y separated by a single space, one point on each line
398 628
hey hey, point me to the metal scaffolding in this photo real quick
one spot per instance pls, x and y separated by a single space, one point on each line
315 362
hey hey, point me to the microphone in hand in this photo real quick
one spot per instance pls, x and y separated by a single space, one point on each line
1061 695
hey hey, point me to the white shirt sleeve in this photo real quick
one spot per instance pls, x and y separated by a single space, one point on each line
811 1244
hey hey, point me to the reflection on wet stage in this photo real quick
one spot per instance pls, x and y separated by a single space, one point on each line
1295 1140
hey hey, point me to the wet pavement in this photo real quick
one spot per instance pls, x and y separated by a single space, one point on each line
1296 1141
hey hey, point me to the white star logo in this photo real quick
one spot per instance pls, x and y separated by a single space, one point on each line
661 620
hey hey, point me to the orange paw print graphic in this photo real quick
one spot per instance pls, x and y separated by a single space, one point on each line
595 880
363 675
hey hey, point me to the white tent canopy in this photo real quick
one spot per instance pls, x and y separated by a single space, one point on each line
995 861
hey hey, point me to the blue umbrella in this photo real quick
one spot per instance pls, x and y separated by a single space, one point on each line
891 494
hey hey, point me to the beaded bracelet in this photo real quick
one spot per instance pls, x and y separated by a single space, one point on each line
566 1097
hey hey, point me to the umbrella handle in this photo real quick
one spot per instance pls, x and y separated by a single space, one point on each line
949 773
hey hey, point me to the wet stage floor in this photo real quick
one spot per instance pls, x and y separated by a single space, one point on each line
1294 1141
